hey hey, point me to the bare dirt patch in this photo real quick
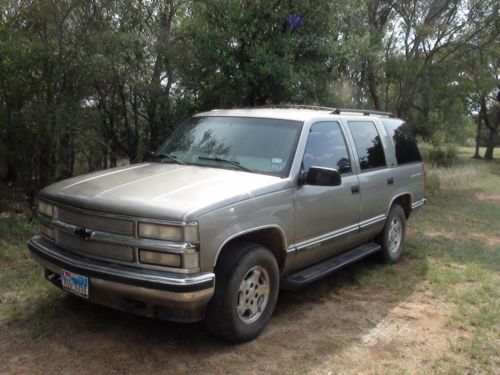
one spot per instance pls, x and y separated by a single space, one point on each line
412 338
490 240
331 326
488 198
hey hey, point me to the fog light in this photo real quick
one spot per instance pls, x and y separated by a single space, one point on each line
47 231
159 259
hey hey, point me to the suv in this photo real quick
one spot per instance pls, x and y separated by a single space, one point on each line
235 205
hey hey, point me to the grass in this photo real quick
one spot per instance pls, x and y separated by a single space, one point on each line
467 152
23 289
458 235
452 255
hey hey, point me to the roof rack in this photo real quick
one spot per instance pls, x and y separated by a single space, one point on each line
334 111
297 106
365 112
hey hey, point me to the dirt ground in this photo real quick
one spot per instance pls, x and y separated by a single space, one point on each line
328 328
435 311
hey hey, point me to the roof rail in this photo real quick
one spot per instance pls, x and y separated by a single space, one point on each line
297 106
365 112
335 111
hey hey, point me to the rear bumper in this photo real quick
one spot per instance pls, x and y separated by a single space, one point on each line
144 292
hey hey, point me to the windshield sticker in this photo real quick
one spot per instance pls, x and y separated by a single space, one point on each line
276 163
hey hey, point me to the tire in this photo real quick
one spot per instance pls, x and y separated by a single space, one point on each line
230 314
393 235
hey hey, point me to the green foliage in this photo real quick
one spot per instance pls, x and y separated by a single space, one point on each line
252 53
444 155
87 85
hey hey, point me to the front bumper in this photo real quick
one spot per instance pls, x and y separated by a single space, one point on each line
145 292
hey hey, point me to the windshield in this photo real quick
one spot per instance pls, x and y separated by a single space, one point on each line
252 144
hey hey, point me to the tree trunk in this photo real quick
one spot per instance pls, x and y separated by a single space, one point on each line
493 127
162 62
478 138
11 173
372 88
490 146
66 157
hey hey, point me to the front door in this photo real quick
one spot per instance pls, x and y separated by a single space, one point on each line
326 217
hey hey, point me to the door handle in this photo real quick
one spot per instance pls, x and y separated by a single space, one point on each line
390 181
355 189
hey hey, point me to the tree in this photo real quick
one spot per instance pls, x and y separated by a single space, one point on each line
88 84
403 57
245 53
480 77
41 91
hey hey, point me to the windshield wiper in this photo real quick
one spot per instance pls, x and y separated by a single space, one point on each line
232 162
170 157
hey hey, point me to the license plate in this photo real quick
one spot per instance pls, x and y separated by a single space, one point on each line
75 283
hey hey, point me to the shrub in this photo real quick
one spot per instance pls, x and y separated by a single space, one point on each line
433 183
443 155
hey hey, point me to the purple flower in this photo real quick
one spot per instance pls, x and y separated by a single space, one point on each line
294 21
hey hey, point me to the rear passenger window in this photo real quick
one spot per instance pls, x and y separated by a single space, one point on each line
368 144
326 147
404 143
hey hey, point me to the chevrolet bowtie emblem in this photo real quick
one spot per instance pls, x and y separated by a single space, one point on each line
84 233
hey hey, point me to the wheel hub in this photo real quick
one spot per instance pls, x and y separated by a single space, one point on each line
253 294
395 235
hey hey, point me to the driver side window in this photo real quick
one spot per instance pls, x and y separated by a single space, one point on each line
326 148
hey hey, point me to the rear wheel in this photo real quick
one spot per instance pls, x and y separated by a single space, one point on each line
393 235
247 284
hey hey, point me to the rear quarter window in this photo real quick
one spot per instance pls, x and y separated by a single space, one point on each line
404 143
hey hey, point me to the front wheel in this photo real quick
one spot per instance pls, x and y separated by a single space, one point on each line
393 235
247 284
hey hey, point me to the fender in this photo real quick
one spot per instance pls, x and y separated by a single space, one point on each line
251 230
396 197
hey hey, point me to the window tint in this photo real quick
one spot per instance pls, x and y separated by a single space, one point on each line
368 144
326 148
404 143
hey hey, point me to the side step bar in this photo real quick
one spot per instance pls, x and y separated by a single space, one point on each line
328 266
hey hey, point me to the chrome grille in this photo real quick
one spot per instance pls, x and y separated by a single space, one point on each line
100 223
96 249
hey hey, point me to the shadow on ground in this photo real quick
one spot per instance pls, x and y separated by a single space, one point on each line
323 318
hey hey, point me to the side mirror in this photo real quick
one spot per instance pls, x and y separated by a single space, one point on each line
320 176
148 156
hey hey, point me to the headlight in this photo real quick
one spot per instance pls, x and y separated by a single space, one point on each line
45 208
187 233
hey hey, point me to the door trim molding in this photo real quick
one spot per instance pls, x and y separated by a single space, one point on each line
371 221
317 241
418 203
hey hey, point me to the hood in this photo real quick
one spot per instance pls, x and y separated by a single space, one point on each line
160 190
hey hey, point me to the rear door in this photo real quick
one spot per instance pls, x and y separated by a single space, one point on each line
326 217
376 179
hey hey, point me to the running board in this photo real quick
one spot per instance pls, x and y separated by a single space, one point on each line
328 266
